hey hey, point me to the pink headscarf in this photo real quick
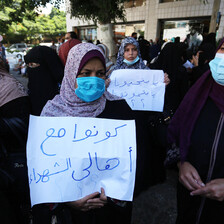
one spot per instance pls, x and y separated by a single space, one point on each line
67 103
10 88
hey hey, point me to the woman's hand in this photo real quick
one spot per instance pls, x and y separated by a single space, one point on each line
107 82
91 201
189 176
166 79
195 60
213 190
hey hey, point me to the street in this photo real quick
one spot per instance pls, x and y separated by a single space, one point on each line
157 205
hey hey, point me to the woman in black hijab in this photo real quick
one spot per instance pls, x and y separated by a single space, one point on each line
170 60
14 118
45 72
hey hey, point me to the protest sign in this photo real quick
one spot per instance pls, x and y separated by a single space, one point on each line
71 157
142 89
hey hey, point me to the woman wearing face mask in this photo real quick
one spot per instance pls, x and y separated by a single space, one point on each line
83 94
197 129
129 56
152 156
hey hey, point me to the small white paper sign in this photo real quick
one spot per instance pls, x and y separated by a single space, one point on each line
71 157
142 89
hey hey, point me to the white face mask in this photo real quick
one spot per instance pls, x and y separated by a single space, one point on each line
217 68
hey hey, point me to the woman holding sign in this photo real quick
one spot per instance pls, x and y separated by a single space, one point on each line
83 94
152 168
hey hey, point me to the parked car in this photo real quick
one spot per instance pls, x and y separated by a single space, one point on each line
18 47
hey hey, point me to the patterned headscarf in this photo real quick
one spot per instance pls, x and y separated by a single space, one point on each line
67 103
120 57
10 88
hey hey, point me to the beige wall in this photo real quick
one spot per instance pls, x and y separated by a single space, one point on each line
152 12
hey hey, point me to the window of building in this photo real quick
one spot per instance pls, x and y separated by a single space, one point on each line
181 28
134 3
87 34
164 1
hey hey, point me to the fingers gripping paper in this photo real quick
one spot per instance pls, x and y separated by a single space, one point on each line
69 158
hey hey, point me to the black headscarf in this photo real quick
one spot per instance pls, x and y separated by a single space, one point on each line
44 81
183 122
169 60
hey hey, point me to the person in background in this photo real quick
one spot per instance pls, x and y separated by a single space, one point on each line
209 39
98 42
14 118
53 46
45 72
2 49
155 49
150 158
109 63
61 40
65 48
134 35
70 35
205 54
85 67
144 47
129 56
3 54
171 61
197 131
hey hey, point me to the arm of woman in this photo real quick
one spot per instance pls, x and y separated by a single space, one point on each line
189 176
213 190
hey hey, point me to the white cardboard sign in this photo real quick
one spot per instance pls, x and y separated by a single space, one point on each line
71 157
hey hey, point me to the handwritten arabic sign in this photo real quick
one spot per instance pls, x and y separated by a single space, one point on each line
69 158
142 89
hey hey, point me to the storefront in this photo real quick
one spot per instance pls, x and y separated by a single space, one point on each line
180 28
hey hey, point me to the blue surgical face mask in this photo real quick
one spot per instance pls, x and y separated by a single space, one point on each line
90 88
217 68
131 62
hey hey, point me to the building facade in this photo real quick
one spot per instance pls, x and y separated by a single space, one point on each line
162 19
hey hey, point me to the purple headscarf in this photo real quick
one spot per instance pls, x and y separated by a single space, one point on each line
120 57
182 124
67 103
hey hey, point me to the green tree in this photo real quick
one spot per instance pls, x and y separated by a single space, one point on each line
34 27
102 12
15 10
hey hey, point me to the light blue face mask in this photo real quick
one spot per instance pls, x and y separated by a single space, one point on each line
90 88
131 62
217 68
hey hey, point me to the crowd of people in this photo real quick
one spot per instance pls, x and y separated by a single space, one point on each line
72 80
